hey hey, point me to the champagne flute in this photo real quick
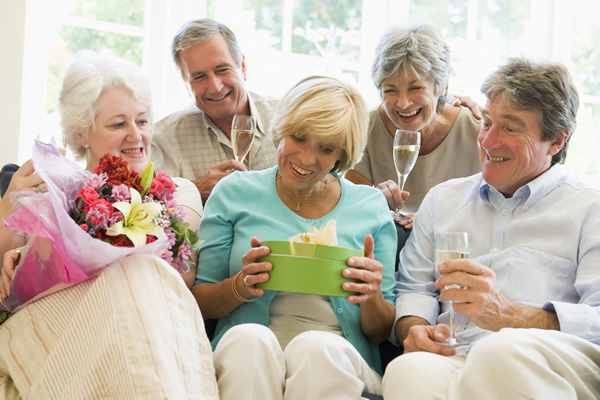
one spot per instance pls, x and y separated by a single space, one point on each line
406 152
451 246
242 135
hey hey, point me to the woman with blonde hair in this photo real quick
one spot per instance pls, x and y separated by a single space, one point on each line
278 345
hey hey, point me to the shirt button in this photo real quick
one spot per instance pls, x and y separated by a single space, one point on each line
504 212
496 250
458 329
339 310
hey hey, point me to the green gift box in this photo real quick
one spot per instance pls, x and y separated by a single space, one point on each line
307 268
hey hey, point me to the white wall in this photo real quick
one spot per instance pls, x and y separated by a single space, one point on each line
12 45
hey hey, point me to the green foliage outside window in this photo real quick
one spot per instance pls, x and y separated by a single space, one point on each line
329 29
126 12
70 40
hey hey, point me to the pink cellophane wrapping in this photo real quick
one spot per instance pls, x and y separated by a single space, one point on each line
61 254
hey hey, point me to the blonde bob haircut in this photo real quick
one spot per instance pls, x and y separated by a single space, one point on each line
328 108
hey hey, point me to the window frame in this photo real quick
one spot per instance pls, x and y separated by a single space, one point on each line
546 26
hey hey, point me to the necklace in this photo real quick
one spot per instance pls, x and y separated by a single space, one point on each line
308 199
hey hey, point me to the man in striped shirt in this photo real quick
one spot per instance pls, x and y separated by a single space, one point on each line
195 143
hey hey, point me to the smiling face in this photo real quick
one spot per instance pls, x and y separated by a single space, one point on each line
215 79
122 127
304 160
410 102
511 150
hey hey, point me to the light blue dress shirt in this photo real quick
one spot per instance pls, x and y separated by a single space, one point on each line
246 204
543 245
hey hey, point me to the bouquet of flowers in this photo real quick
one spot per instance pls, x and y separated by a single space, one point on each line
126 209
86 222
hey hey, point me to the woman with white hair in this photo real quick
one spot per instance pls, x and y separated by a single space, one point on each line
135 330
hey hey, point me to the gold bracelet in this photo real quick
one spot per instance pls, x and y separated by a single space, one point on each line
237 294
221 297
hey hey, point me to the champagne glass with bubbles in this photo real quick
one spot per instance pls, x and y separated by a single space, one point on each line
243 128
406 151
451 246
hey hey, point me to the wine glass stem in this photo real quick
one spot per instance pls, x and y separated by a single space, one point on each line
452 330
401 181
398 213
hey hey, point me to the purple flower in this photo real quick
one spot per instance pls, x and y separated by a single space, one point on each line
167 256
95 181
180 265
167 197
184 251
172 208
116 217
121 193
171 237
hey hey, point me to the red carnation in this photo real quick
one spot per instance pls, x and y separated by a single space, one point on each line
167 182
88 195
156 187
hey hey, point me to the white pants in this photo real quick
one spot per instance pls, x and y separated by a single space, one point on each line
315 365
134 332
510 364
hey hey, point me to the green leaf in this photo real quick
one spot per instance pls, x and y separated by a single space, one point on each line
4 316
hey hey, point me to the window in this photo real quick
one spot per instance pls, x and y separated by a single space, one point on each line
59 29
75 25
285 40
584 64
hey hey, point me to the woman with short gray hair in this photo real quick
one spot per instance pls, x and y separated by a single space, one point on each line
411 71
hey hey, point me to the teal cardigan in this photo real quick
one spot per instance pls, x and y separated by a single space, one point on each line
246 204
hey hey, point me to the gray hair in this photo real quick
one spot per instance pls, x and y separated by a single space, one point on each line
199 31
420 49
85 80
544 87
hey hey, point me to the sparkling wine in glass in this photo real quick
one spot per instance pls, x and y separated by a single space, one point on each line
406 152
452 246
243 128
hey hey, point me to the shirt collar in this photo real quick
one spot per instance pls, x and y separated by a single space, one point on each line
533 191
260 125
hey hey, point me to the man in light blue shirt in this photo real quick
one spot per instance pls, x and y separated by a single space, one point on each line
529 302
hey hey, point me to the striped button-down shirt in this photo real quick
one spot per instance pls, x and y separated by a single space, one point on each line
187 143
